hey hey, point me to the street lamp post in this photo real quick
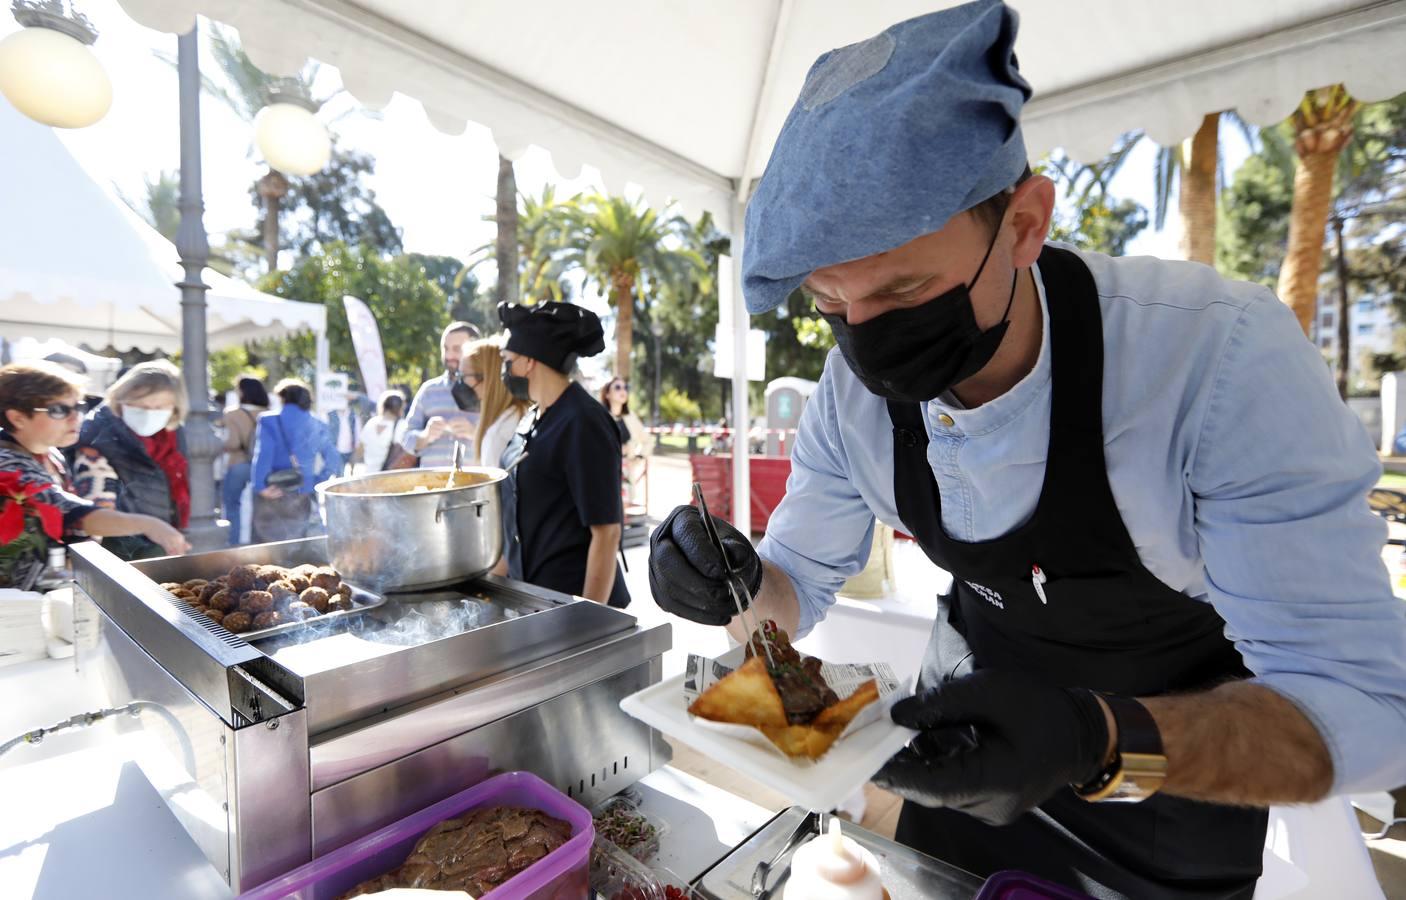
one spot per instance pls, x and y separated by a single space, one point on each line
656 328
194 249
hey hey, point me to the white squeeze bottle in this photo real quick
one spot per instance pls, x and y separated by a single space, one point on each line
833 867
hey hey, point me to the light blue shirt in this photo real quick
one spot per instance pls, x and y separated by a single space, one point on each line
1239 473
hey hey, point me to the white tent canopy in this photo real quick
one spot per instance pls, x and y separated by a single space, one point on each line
77 264
685 100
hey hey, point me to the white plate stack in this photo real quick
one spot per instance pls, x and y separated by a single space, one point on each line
22 636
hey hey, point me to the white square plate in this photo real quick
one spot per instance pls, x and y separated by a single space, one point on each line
820 785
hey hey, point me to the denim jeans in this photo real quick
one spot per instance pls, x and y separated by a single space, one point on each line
235 480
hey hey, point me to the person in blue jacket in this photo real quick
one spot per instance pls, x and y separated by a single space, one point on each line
290 439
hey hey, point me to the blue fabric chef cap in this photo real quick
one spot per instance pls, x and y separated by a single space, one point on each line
889 139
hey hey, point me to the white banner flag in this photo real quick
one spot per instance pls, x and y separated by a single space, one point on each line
366 341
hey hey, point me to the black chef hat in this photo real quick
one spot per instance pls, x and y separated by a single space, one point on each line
552 333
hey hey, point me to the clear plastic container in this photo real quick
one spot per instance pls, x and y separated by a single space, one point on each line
645 849
560 875
616 875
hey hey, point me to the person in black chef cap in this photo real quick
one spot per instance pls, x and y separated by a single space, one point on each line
568 510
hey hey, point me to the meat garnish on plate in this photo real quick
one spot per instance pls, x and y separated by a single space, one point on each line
788 700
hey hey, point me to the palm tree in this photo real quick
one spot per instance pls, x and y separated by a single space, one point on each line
539 243
629 251
506 245
1322 127
1192 168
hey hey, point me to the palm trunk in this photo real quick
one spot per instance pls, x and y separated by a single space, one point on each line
1308 218
505 248
1197 200
622 292
273 187
1324 125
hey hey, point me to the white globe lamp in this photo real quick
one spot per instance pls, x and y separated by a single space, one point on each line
289 136
46 69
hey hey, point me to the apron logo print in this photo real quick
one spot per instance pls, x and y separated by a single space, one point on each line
990 596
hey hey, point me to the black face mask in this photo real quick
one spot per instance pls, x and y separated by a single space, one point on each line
516 384
464 396
914 354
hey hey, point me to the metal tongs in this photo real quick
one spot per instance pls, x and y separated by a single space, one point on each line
735 585
814 823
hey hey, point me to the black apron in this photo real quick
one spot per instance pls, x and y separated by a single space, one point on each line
1098 620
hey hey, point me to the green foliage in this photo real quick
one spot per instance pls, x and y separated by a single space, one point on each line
228 365
676 406
409 307
468 301
334 204
1253 233
687 312
1101 224
159 204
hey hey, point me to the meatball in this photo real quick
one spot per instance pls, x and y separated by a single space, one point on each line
171 586
215 615
298 611
339 604
268 618
237 622
209 590
345 590
283 592
183 594
315 597
242 578
255 602
225 600
299 582
326 578
195 584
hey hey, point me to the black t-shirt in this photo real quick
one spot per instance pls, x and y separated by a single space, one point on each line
569 482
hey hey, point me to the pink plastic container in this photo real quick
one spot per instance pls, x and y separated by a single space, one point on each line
1012 885
560 875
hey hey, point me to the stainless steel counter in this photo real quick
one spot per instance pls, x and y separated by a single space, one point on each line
269 752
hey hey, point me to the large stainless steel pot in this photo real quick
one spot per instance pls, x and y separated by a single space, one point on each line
409 529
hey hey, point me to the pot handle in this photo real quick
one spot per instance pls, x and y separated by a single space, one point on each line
446 507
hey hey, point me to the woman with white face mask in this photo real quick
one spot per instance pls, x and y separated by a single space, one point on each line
129 455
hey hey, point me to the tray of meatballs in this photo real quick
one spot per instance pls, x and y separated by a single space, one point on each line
256 601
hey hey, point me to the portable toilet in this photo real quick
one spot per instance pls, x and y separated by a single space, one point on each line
785 398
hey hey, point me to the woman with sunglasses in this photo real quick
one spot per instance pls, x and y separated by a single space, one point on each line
40 412
129 454
634 440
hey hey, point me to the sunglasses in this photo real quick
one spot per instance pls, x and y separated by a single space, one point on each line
619 387
61 410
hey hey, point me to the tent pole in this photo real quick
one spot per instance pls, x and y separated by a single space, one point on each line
191 243
741 467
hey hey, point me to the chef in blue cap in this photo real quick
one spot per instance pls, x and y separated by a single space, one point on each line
1169 609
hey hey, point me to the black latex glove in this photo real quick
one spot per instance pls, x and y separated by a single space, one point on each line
686 574
996 744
